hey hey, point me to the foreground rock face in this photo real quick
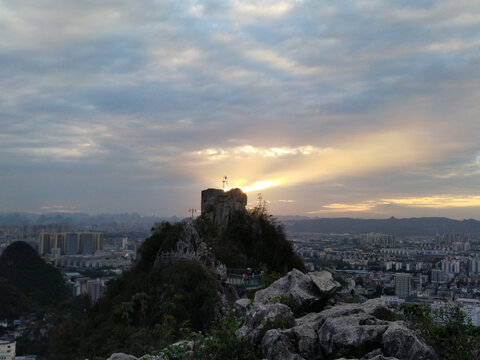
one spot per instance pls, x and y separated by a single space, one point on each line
220 206
367 331
353 331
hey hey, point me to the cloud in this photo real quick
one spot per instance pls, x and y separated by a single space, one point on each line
441 202
279 95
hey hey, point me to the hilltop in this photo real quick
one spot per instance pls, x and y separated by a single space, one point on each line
178 285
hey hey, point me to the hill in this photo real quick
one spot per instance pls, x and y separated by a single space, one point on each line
176 287
399 227
24 270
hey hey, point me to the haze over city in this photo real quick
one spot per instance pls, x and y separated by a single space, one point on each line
361 109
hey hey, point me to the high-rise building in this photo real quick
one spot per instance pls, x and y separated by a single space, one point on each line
97 241
71 244
86 246
403 285
60 240
45 243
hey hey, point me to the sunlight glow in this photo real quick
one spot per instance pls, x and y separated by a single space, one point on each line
260 185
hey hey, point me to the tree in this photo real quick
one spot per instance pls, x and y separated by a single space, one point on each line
447 330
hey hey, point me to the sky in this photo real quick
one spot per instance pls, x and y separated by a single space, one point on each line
361 108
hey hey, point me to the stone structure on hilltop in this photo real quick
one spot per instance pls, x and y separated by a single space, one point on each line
219 205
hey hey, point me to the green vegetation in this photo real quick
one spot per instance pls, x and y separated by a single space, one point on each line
13 301
141 312
145 309
29 285
446 330
152 306
23 268
253 240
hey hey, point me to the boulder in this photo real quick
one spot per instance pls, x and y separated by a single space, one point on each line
277 344
303 292
368 331
261 318
241 307
121 356
402 343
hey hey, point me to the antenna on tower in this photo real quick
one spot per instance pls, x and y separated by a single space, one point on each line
225 182
192 211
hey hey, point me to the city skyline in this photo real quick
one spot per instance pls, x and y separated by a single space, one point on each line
328 109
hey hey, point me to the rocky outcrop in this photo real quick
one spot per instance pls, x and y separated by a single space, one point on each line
370 330
367 331
121 356
188 246
304 292
220 206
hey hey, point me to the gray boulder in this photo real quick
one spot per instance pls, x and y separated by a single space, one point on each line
299 342
401 342
241 307
305 292
261 318
121 356
368 331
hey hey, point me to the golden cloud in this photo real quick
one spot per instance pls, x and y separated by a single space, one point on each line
255 168
435 202
438 201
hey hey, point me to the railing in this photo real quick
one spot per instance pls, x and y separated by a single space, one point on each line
236 277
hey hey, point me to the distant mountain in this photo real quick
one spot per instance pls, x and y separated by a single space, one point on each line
399 227
81 220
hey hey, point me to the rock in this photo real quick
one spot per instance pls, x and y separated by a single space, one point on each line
305 292
377 355
356 334
227 295
299 341
277 345
241 307
403 343
261 318
188 246
220 206
367 331
121 356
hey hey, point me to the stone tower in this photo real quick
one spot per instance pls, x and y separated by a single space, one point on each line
219 205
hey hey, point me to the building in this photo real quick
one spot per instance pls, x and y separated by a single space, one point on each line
70 243
60 242
438 276
45 243
86 243
95 289
97 241
7 350
403 285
